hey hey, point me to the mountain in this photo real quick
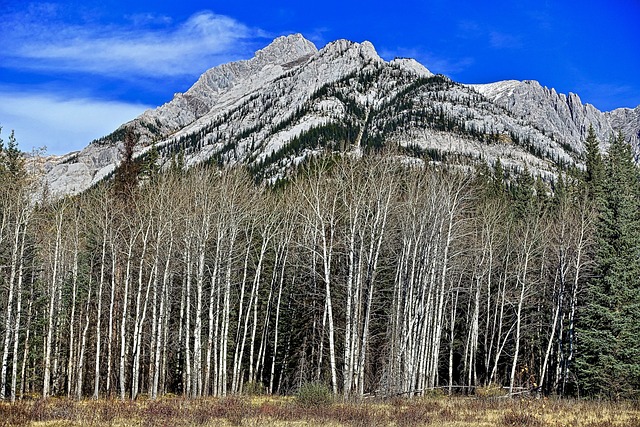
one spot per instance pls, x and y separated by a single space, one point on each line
291 101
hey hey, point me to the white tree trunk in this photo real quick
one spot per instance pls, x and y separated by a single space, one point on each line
16 326
53 286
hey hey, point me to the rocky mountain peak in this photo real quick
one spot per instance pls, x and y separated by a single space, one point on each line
346 48
292 101
285 49
412 66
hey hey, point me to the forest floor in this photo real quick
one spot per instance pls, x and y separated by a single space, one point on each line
283 411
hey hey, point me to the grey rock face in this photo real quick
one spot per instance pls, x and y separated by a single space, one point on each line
564 118
291 101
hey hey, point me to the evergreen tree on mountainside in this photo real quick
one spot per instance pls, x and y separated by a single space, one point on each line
150 167
126 176
11 160
594 167
523 195
608 362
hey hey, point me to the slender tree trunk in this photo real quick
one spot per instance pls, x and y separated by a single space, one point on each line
96 379
83 346
74 291
16 327
277 320
25 353
10 302
111 317
50 317
522 282
123 323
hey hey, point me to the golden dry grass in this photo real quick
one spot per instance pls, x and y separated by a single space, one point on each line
284 411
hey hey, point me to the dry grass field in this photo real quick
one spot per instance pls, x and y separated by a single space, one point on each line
283 411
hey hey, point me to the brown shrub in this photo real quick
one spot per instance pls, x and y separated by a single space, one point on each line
520 419
14 414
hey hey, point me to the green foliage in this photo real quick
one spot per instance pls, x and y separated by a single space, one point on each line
150 167
609 331
490 391
523 194
314 394
254 388
11 161
593 175
126 176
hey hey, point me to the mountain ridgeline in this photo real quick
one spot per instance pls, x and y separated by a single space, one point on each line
292 101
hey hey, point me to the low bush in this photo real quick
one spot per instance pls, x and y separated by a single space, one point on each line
490 391
521 419
254 388
314 394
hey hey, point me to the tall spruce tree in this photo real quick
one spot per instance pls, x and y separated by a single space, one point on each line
523 195
11 160
126 176
608 362
593 175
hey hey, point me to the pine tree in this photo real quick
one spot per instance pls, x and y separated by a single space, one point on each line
594 167
497 181
523 195
150 166
126 178
608 361
11 161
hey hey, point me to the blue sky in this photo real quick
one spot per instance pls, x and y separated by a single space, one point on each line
72 71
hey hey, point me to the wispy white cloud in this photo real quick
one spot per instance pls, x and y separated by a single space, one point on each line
144 45
139 19
62 125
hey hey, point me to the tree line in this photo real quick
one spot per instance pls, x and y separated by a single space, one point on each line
372 275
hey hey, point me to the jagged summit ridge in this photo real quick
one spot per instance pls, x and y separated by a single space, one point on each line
563 117
286 48
291 101
210 89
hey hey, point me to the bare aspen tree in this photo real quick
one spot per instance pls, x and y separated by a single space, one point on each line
571 238
132 234
321 199
27 337
266 234
282 243
430 222
20 280
144 227
367 191
53 290
75 243
112 301
232 184
530 235
83 345
21 220
104 223
16 214
166 208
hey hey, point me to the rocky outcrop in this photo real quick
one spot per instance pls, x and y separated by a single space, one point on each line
291 101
